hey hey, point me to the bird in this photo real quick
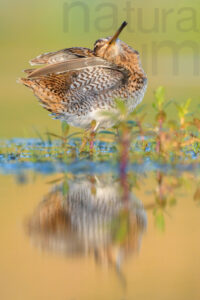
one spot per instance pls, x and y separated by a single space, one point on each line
87 221
78 84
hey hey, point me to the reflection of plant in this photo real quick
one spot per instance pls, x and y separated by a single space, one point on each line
120 227
166 190
164 197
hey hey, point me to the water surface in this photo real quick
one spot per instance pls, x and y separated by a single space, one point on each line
70 236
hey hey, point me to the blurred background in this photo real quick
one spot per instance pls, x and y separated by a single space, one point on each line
166 33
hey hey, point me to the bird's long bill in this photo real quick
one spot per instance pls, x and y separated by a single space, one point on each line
115 36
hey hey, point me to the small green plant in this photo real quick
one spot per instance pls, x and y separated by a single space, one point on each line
132 139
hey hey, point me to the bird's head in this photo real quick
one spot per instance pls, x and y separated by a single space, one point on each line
116 51
110 47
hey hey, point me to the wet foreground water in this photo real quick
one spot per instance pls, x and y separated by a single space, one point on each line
68 231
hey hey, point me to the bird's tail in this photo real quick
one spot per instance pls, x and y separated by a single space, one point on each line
51 91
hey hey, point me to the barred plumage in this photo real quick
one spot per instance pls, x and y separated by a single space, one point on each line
83 220
78 83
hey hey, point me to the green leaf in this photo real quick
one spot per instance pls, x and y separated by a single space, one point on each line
120 227
137 110
111 115
106 132
183 109
187 104
38 134
160 97
121 106
160 221
168 103
65 128
65 188
121 232
132 123
154 106
172 201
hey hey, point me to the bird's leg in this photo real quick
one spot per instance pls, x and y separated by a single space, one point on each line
93 128
84 141
89 136
91 141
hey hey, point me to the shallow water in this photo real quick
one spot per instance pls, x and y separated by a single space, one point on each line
67 232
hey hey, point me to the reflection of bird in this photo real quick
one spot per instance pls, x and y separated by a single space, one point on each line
89 220
78 83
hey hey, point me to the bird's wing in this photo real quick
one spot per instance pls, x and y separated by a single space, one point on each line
92 88
61 55
73 92
70 65
95 81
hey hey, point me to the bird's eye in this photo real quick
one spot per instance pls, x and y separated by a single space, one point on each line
98 42
96 48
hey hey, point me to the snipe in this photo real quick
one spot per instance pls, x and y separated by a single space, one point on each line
77 83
